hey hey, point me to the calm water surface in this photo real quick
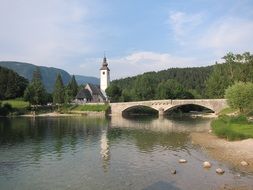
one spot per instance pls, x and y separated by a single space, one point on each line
98 153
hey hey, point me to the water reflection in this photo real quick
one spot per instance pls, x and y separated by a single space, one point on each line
100 153
184 124
105 150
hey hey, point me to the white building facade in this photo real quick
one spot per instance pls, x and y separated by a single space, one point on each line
104 76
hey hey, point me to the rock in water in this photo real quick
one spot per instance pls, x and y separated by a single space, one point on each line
220 171
207 164
244 163
173 171
182 161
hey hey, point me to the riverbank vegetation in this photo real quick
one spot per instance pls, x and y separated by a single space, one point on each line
239 97
233 127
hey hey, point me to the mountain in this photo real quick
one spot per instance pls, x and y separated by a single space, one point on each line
85 79
48 74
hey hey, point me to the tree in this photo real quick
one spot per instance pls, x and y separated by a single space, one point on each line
35 93
218 82
58 93
73 86
114 93
11 84
240 96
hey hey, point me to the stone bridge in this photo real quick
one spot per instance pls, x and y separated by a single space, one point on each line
216 105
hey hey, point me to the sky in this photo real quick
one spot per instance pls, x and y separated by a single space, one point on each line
136 36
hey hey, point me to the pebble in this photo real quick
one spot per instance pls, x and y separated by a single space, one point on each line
173 171
207 164
182 161
220 171
244 163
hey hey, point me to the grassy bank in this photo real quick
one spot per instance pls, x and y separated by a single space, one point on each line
233 128
17 103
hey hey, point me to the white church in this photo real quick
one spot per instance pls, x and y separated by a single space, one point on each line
95 93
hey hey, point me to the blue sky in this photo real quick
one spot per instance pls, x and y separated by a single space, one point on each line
137 36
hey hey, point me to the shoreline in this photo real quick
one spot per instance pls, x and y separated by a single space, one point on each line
71 114
231 152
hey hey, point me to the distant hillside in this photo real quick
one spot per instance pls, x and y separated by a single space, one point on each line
193 79
84 79
48 73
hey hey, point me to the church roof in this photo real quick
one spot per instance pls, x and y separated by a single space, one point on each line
83 93
96 90
105 65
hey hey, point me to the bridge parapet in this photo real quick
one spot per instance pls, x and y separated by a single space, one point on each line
163 105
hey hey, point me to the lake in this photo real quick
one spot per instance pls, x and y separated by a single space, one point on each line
108 153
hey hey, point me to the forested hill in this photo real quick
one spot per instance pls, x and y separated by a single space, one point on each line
185 83
192 79
48 74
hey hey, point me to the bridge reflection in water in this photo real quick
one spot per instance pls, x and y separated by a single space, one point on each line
182 124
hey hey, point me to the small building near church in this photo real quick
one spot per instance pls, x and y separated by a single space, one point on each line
92 93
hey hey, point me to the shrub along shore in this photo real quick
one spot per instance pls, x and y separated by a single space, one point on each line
233 127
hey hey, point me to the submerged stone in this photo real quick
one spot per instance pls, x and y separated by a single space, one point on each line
182 161
207 164
244 163
220 171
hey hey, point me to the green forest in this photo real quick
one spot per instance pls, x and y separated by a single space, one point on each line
185 83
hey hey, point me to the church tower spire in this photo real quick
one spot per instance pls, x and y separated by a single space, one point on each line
104 76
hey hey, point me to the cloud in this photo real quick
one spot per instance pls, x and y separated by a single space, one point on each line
145 61
45 32
182 24
228 34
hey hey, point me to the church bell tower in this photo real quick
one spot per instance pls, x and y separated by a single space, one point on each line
104 76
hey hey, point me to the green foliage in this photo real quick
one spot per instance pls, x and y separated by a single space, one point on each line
11 84
35 93
113 92
226 111
58 93
233 128
236 67
145 87
71 90
240 96
5 109
217 82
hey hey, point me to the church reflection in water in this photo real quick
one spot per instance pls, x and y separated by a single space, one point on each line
105 150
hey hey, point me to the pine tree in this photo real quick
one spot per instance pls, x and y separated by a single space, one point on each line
73 87
35 93
58 94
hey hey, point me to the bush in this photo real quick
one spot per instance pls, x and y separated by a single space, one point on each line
233 128
5 109
240 96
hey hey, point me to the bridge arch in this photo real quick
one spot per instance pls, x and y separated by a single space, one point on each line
191 107
135 109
